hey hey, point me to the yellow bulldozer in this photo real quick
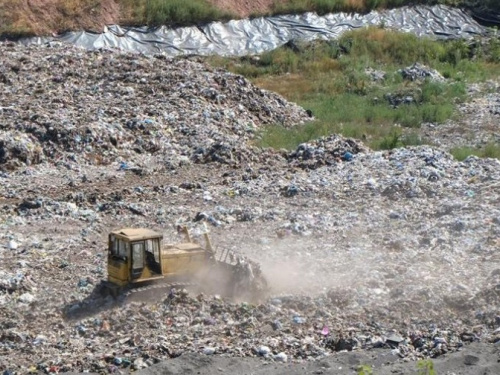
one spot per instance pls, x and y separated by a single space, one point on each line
137 261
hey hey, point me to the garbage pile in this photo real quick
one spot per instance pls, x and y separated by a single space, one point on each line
494 104
283 329
63 103
419 71
18 148
325 151
362 250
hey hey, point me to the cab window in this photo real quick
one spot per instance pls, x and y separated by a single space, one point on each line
138 255
122 248
118 247
153 246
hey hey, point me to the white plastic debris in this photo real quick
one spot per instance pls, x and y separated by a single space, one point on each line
264 351
27 298
209 350
281 357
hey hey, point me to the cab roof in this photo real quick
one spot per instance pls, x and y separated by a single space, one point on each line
136 234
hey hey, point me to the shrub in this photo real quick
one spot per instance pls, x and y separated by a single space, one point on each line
181 12
426 367
491 150
389 142
365 370
385 46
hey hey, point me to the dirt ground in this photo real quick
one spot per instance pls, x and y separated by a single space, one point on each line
42 17
245 8
475 359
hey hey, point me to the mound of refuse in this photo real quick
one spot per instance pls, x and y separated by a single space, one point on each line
325 151
62 103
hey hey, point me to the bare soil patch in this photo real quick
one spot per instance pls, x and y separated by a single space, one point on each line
42 17
245 8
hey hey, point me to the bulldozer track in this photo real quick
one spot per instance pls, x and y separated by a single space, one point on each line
139 293
159 286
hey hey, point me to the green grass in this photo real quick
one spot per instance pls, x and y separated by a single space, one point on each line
365 370
426 367
170 12
328 78
491 150
182 12
330 6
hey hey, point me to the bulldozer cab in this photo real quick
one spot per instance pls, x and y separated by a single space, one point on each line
134 254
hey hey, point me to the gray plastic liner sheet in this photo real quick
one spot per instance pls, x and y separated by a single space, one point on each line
254 36
486 16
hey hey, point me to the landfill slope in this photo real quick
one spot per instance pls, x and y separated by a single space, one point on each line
366 252
107 105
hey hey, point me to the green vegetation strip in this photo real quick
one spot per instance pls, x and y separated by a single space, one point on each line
491 150
332 6
172 12
330 79
24 18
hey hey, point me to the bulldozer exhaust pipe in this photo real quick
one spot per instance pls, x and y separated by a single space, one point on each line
188 235
208 243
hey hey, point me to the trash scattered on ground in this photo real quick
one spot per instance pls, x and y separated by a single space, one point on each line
363 250
375 75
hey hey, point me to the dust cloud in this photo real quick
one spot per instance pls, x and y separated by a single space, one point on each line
372 274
